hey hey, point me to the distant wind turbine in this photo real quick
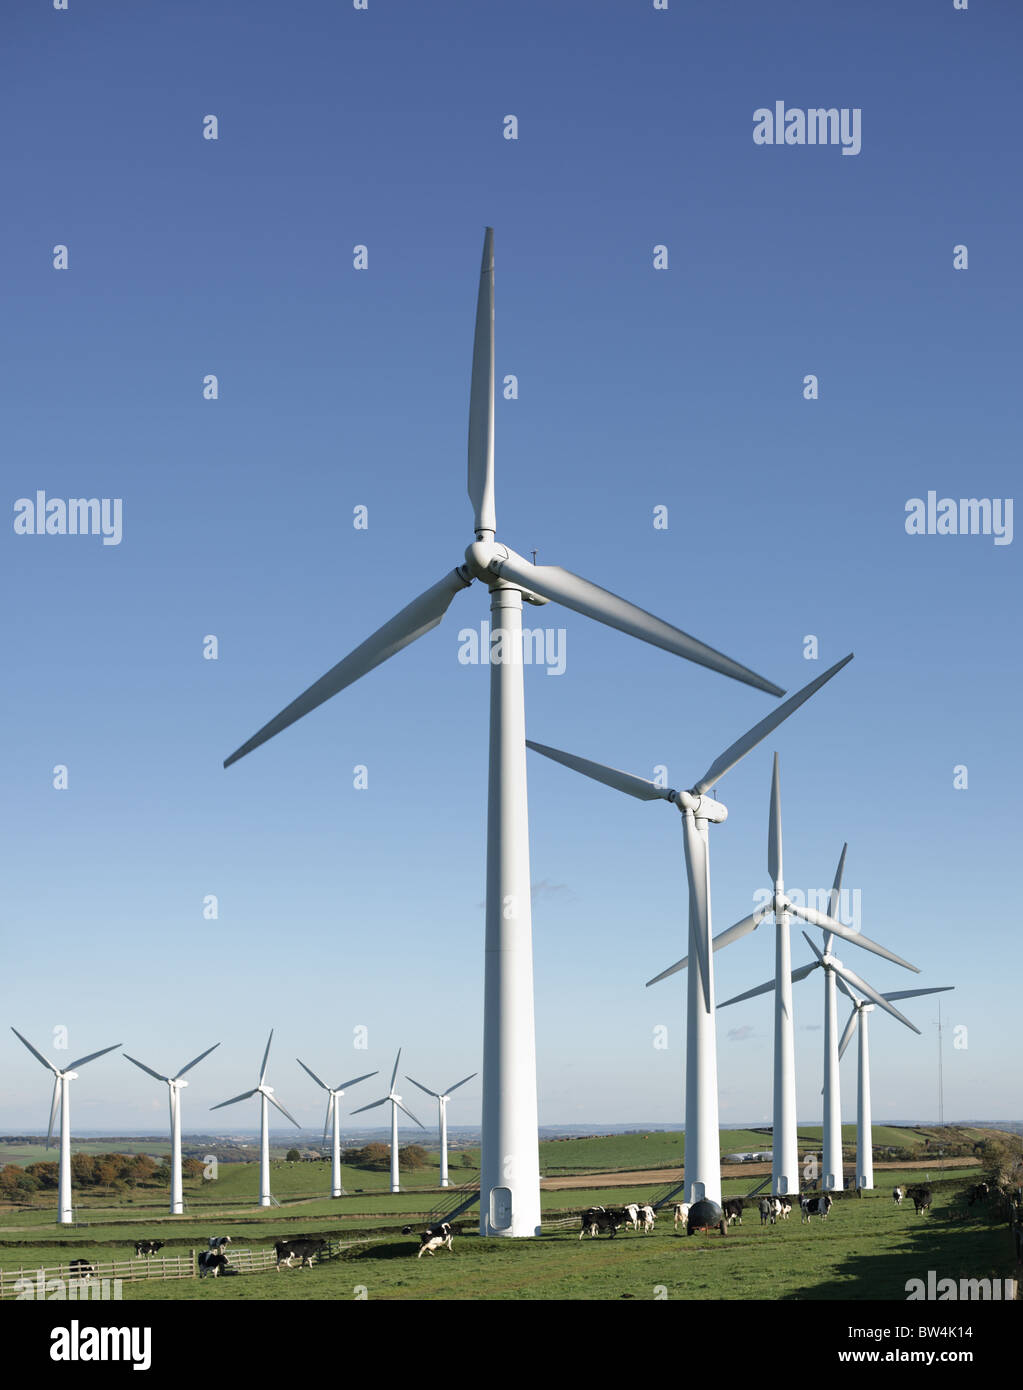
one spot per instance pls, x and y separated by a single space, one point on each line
396 1105
333 1121
174 1085
442 1098
266 1098
62 1078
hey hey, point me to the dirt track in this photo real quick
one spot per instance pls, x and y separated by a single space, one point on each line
648 1176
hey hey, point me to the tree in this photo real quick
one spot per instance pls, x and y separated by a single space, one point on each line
192 1167
83 1170
374 1157
410 1157
46 1174
293 1156
1002 1157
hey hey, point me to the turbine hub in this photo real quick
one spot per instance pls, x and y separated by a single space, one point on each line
702 806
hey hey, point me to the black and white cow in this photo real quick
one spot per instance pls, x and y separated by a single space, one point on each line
303 1249
897 1195
147 1247
733 1209
217 1243
647 1216
785 1208
596 1219
632 1216
979 1193
211 1262
681 1214
81 1268
816 1206
434 1238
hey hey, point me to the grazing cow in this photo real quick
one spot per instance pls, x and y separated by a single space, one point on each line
303 1249
784 1208
147 1247
434 1238
217 1243
816 1206
211 1262
733 1209
681 1214
648 1217
921 1198
979 1193
596 1219
632 1216
80 1268
897 1195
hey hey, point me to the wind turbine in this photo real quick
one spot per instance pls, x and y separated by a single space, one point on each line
266 1097
698 810
510 1161
442 1099
785 1146
62 1078
334 1117
835 975
864 1133
174 1085
396 1105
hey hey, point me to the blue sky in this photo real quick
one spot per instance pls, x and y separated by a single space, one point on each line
341 908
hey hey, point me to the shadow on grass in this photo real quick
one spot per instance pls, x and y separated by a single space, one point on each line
953 1249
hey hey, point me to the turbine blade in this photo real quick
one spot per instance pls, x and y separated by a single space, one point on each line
195 1061
54 1105
724 938
850 1029
835 896
853 979
355 1080
481 398
912 993
845 989
143 1067
408 1113
699 906
312 1074
621 781
81 1061
765 988
331 1101
274 1101
460 1083
35 1051
234 1099
435 1094
753 736
422 614
373 1106
570 590
774 862
829 924
394 1074
266 1058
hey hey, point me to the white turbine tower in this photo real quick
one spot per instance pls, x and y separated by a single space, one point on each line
442 1098
510 1161
864 1132
698 810
266 1097
333 1121
834 972
174 1085
785 1149
396 1105
62 1078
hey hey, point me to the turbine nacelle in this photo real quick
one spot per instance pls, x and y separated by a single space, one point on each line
702 806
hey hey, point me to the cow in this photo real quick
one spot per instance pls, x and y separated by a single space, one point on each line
784 1208
815 1206
921 1198
681 1213
733 1209
147 1247
211 1262
81 1269
596 1219
217 1243
434 1238
632 1216
303 1249
897 1195
979 1193
648 1217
